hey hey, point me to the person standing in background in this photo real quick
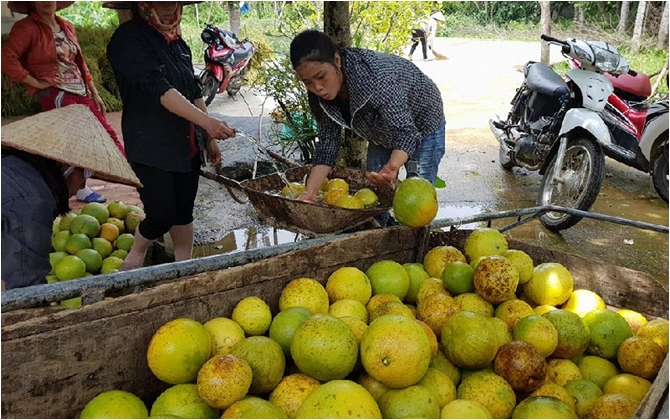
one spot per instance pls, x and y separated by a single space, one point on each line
426 34
44 55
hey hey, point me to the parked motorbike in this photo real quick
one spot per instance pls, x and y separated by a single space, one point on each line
555 127
226 62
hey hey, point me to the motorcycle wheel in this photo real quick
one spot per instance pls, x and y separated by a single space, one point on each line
659 172
505 161
209 86
235 85
582 173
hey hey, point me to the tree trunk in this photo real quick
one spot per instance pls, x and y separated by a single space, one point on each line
545 22
234 18
580 18
662 40
623 17
639 26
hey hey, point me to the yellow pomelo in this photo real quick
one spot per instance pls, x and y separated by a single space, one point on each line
464 409
429 287
293 190
86 224
253 315
439 257
337 184
103 246
522 262
91 258
266 359
469 340
562 371
182 401
542 407
573 333
178 349
119 223
597 370
306 293
491 391
349 202
349 307
640 356
614 406
465 373
70 267
634 319
324 184
436 309
132 221
395 350
539 332
291 391
325 347
417 275
377 300
97 210
66 221
59 240
115 404
415 202
496 279
253 408
118 209
367 196
349 283
339 399
223 380
77 242
356 325
373 386
503 334
119 253
582 301
483 242
109 231
472 302
74 303
55 257
625 383
543 309
440 362
607 330
440 384
458 278
388 277
413 402
125 241
512 310
551 284
225 333
550 389
657 330
432 338
111 264
585 393
331 196
391 308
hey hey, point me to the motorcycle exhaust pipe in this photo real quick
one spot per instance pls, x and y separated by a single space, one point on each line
500 135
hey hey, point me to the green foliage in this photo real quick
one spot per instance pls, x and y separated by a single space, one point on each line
90 14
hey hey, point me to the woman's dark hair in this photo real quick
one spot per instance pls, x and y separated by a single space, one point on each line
312 45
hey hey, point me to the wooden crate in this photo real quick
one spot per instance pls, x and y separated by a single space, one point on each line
55 362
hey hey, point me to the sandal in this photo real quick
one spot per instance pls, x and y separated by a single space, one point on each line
93 197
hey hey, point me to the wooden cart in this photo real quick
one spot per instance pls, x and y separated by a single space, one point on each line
54 360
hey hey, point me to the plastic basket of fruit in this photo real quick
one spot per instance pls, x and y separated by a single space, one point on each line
274 196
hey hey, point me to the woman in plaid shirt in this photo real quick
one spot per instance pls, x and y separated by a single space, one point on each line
382 98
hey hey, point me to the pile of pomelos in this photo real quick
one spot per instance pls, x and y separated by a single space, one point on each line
481 332
93 240
336 192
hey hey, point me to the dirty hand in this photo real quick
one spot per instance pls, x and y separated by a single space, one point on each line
219 129
386 176
308 197
213 153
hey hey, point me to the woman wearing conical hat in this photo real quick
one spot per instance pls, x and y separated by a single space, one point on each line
38 178
44 55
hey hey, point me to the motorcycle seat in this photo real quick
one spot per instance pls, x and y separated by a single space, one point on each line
542 79
243 51
634 88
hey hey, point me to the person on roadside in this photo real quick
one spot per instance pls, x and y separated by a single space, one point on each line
163 113
44 55
382 98
38 178
426 34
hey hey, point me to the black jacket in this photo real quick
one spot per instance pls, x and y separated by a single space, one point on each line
146 66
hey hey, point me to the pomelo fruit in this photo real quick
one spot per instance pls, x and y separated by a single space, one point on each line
119 223
439 257
562 371
332 196
539 332
411 402
97 210
614 406
119 253
293 190
512 310
225 333
391 308
59 240
640 356
551 284
634 319
111 265
291 391
70 267
458 278
377 300
284 325
339 399
253 315
429 287
657 330
117 209
349 202
491 391
91 258
464 409
415 202
223 380
55 257
115 404
349 307
66 221
388 277
625 383
349 283
253 408
337 184
86 224
178 349
521 365
373 386
132 221
469 340
483 242
125 241
550 389
103 246
582 301
357 326
502 332
597 370
266 359
77 242
585 393
440 384
496 279
472 302
417 275
182 401
522 262
367 196
573 333
607 330
109 231
436 309
306 293
543 408
440 362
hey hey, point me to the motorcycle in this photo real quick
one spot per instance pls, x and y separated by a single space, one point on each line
555 127
226 62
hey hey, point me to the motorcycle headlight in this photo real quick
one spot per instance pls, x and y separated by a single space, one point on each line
581 53
606 60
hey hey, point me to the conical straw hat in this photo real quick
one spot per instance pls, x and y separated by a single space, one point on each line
71 135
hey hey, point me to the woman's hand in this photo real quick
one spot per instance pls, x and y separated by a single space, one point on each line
386 176
219 129
97 100
308 197
213 152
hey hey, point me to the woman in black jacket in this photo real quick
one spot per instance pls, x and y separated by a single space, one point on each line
383 98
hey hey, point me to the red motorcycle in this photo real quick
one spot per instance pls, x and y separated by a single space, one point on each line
226 61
